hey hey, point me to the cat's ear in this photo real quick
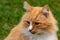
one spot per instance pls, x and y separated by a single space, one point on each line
27 6
45 11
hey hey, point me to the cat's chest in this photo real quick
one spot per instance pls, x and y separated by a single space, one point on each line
41 38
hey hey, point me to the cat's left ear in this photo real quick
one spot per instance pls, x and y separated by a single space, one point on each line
45 11
27 6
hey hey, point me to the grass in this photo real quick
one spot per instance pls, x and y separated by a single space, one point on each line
11 12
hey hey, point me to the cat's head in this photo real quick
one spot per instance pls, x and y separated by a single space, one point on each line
38 20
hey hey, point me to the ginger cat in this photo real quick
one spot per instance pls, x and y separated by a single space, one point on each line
37 23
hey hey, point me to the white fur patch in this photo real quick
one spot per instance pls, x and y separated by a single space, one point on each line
45 10
46 36
25 5
30 26
42 16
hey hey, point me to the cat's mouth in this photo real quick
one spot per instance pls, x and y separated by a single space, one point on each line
35 33
38 32
26 32
32 32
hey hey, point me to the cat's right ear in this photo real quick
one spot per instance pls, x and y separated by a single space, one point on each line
27 6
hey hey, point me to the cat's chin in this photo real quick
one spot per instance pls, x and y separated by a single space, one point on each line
27 33
39 33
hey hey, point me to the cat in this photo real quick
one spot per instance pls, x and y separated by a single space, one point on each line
38 23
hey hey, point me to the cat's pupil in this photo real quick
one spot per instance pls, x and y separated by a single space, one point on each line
28 22
36 23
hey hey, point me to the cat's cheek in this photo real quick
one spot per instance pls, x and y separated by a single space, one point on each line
26 25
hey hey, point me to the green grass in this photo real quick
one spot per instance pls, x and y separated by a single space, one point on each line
11 12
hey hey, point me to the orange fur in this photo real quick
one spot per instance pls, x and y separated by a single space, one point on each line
48 24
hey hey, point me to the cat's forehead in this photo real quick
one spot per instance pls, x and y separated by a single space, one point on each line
37 9
34 15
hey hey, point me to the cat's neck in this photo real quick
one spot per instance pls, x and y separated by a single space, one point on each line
44 37
40 37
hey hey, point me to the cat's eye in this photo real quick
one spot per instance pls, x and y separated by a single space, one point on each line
28 22
37 23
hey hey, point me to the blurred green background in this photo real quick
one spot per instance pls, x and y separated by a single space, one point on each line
11 12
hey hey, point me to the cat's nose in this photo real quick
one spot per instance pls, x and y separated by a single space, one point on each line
30 30
33 32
